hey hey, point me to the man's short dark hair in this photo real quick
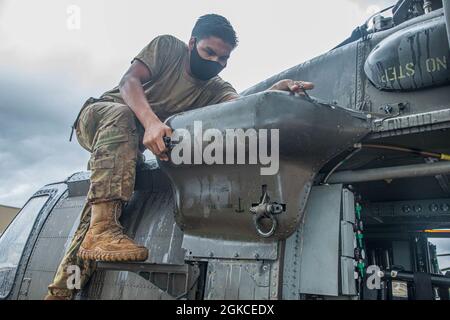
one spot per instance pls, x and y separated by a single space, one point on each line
216 26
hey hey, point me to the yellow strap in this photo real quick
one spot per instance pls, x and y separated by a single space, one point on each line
445 157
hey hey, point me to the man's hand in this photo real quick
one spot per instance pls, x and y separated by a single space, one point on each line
293 86
153 139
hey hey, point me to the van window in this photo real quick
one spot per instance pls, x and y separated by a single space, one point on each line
13 241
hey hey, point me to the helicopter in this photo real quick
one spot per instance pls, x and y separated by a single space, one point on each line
361 190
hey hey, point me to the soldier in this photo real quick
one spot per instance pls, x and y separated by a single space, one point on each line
165 78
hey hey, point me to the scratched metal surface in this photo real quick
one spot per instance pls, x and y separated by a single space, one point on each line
214 200
432 98
122 285
413 58
312 252
239 280
155 226
52 242
200 248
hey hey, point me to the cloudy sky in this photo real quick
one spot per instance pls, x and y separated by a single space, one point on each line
47 68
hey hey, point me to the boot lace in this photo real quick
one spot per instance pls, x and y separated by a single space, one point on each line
118 230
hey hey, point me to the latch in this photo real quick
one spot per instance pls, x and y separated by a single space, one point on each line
266 210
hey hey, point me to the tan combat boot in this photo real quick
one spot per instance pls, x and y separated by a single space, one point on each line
105 240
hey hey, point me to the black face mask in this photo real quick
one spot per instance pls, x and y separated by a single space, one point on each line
203 69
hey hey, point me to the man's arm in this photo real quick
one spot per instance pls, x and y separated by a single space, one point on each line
284 85
292 86
133 94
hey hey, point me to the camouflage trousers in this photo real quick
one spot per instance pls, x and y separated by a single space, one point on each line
112 134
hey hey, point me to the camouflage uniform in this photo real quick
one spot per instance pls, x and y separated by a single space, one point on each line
108 129
112 133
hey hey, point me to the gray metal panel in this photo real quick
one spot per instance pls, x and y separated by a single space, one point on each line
291 264
35 287
61 220
311 261
151 215
390 173
179 281
50 247
401 252
46 253
334 89
348 206
348 283
197 247
411 123
412 208
348 240
213 200
55 191
122 285
238 280
319 265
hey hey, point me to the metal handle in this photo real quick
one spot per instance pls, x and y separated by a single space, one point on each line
271 232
